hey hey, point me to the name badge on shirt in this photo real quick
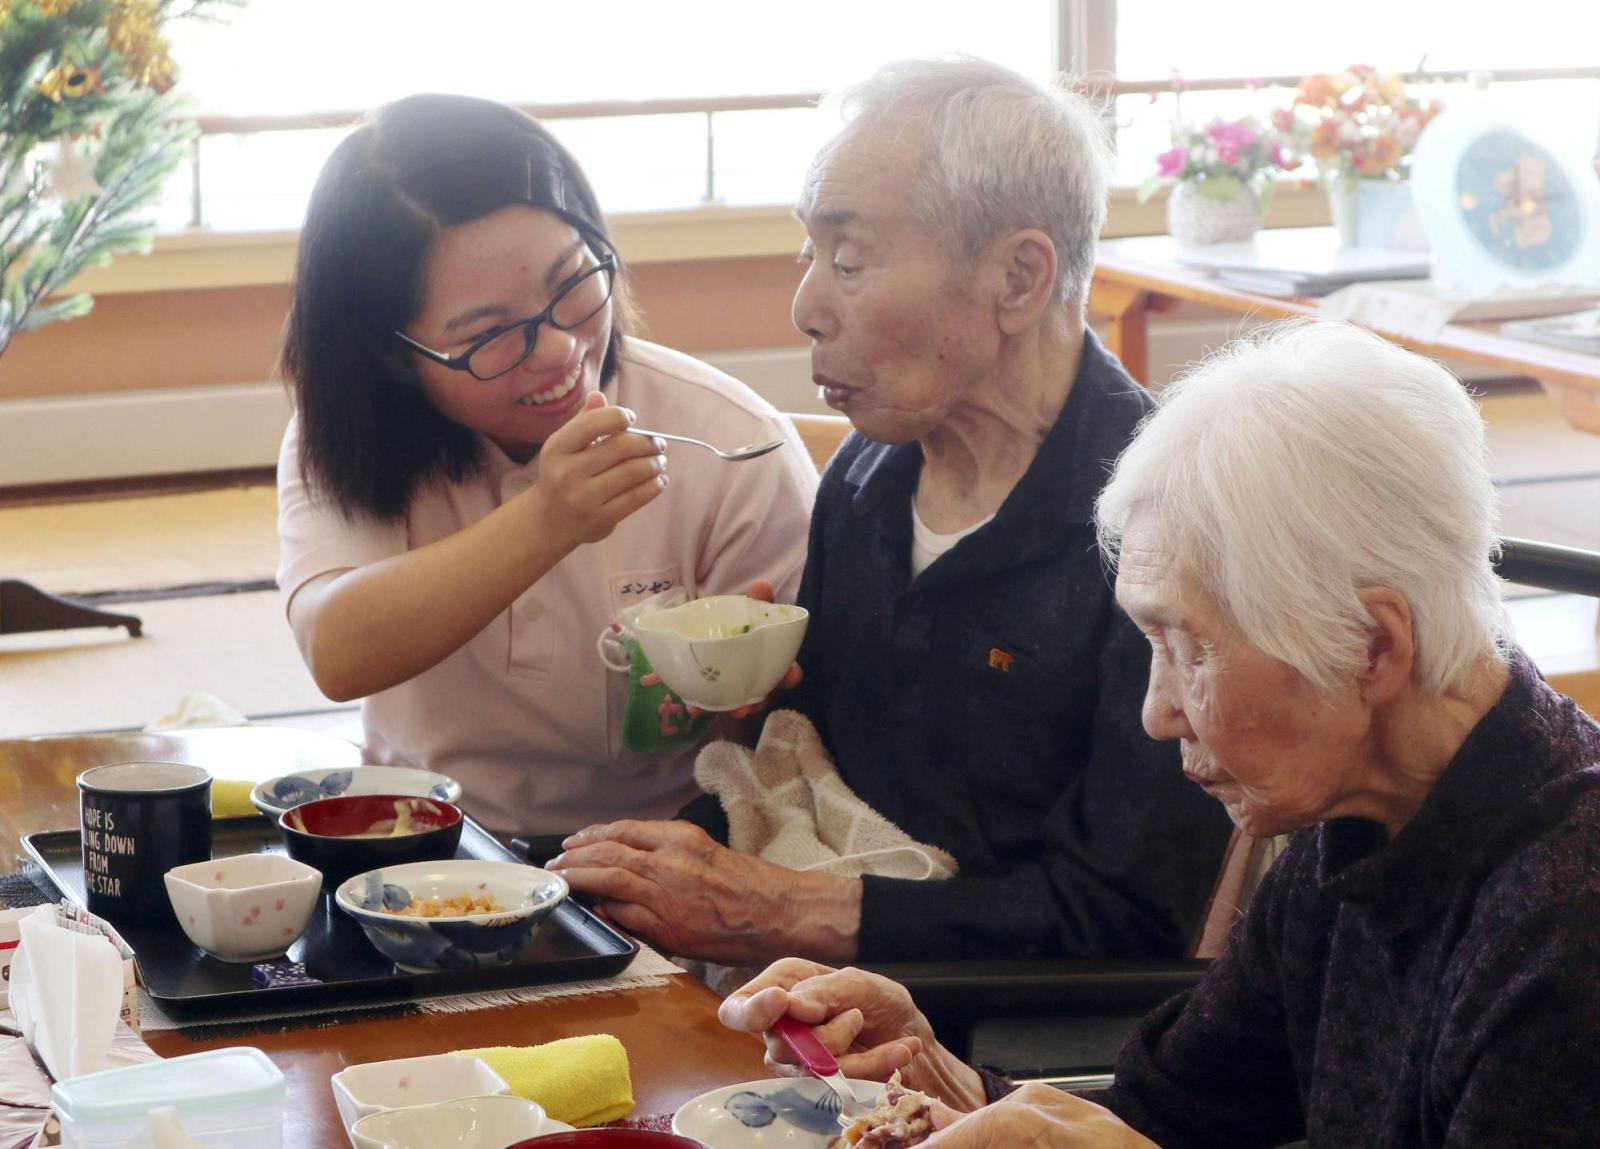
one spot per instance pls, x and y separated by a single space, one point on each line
629 588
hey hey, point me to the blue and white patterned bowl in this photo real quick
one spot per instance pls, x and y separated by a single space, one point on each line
287 791
421 945
782 1113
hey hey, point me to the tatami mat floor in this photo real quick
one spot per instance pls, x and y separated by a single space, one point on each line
238 647
115 544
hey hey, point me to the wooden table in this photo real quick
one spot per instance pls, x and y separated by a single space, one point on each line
1135 277
676 1047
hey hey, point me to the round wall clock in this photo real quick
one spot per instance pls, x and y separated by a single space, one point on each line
1503 210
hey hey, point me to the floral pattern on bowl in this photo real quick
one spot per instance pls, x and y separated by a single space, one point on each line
722 651
244 908
417 944
285 792
376 1086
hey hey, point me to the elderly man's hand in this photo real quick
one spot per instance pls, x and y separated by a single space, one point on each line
1036 1114
869 1023
672 883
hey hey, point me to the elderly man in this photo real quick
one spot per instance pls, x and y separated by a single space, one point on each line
1304 534
965 664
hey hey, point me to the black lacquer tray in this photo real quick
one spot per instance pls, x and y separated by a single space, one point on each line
570 945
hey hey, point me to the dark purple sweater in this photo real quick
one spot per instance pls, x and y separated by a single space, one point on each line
1442 989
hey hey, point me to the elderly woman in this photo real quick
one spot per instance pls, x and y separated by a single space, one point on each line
1303 531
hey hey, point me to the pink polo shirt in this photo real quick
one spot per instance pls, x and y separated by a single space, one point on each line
524 715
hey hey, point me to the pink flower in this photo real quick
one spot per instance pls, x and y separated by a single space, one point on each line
1170 163
1233 137
1275 154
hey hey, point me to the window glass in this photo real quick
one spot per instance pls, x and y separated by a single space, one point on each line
292 56
315 55
1247 38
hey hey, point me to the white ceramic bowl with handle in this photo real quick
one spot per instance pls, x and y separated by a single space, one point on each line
722 652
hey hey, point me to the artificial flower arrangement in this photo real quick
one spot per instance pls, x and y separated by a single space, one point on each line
89 136
1356 124
1220 159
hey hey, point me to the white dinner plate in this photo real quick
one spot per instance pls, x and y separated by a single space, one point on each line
781 1111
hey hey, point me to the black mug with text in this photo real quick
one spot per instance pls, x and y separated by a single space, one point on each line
139 820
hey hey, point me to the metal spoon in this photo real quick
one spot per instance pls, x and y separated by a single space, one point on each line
737 455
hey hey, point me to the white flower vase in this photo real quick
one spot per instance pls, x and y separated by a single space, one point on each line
1376 213
1342 207
1195 216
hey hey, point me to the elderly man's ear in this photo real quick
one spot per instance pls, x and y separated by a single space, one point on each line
1025 277
1391 649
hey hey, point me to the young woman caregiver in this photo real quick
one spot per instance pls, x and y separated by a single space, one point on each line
460 514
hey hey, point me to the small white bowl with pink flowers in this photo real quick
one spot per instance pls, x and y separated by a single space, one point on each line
244 908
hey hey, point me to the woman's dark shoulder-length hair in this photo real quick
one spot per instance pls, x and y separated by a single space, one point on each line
369 437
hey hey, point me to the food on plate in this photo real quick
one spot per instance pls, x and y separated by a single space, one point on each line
455 906
900 1119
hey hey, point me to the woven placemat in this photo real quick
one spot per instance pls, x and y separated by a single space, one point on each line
20 890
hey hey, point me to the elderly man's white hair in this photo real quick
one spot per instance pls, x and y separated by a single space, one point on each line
1006 153
1298 466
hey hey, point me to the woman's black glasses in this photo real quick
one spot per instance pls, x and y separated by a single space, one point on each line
576 302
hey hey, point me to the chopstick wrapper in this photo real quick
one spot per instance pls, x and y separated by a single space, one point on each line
579 1080
68 983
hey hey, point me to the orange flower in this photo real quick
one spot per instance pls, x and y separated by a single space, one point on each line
1383 153
1320 91
1325 140
1392 89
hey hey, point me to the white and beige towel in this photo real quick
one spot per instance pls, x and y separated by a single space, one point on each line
787 804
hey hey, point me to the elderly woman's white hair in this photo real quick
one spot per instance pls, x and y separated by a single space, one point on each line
1006 153
1311 460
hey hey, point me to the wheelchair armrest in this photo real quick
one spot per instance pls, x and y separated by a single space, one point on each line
1566 570
966 990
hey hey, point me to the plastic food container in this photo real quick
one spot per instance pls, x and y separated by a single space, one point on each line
225 1098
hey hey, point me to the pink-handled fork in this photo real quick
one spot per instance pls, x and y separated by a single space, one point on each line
806 1046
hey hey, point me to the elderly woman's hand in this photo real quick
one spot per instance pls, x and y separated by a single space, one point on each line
868 1022
1036 1115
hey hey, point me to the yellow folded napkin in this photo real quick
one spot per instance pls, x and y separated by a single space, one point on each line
231 798
579 1080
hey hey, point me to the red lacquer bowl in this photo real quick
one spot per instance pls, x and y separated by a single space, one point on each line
353 833
609 1139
